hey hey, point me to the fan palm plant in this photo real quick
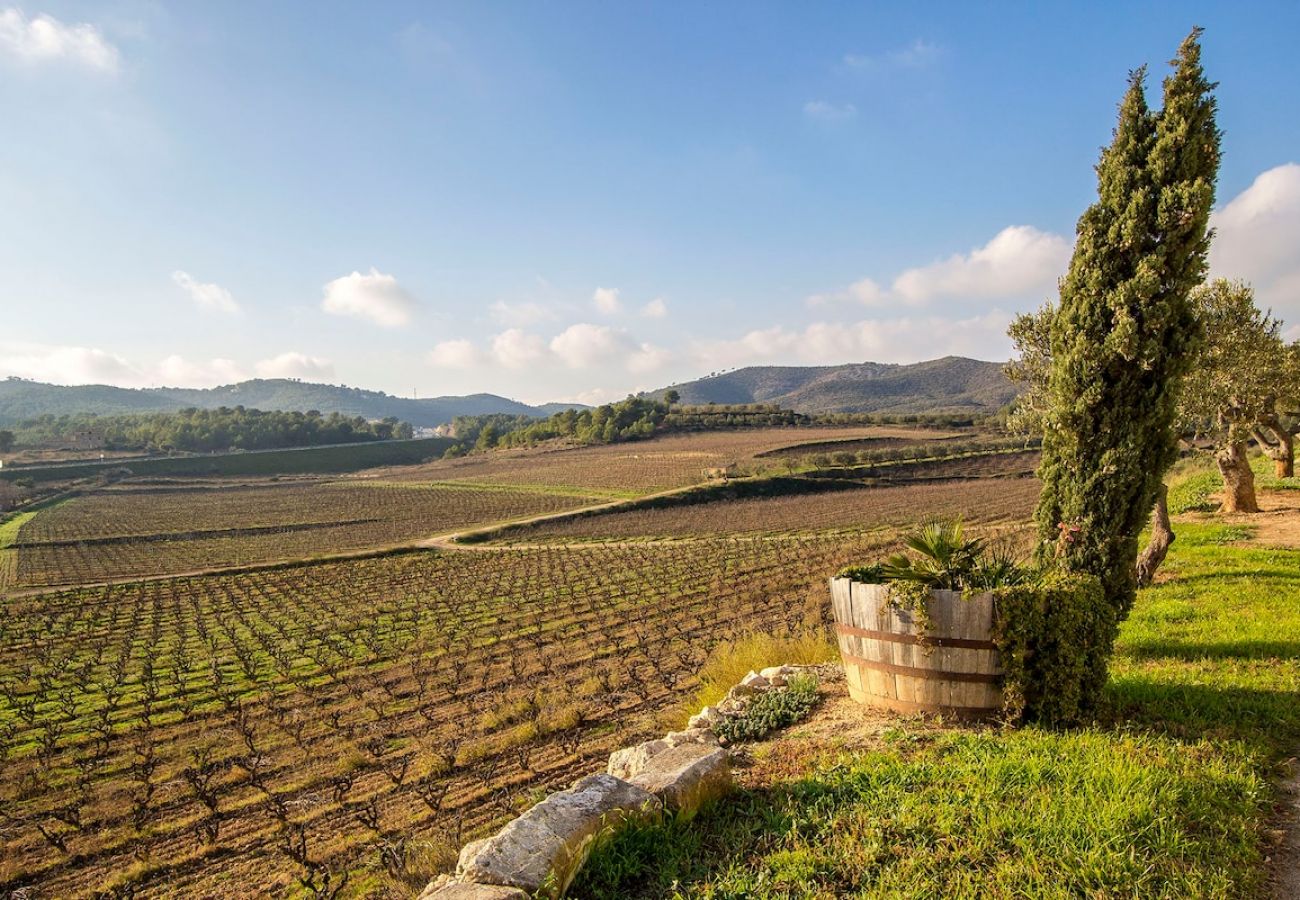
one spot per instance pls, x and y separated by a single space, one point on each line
945 558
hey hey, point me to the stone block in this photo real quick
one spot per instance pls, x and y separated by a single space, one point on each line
691 736
686 776
704 718
627 762
542 850
466 891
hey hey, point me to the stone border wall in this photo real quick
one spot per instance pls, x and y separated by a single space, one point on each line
541 851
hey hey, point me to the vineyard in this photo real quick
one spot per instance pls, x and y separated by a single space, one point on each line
288 726
298 723
638 468
151 531
986 502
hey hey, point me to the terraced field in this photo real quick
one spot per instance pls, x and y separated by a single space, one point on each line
986 502
639 468
174 736
335 728
160 530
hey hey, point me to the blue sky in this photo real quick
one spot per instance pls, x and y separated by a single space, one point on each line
577 200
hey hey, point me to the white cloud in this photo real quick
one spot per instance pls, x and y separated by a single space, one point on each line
917 55
207 296
1257 239
649 358
864 291
45 39
519 315
60 364
515 348
457 354
67 364
176 371
374 296
655 309
824 111
1019 262
295 365
897 340
594 397
584 344
606 300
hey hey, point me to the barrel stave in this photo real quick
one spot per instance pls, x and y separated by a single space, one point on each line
952 667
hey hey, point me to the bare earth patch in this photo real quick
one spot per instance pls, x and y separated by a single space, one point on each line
837 725
1277 524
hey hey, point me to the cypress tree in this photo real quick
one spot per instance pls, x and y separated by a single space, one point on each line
1125 331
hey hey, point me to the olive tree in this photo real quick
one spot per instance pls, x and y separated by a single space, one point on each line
1279 419
1232 391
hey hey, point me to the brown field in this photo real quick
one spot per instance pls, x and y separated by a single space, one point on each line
883 441
985 465
149 531
167 736
638 468
268 732
991 501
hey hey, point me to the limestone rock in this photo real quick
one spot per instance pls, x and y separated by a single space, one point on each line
755 682
543 849
738 691
687 776
691 736
732 705
704 718
466 891
627 762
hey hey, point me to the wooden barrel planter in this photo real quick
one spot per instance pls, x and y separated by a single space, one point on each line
952 668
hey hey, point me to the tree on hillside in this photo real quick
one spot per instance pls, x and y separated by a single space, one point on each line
6 441
1124 331
1032 368
1275 436
1233 389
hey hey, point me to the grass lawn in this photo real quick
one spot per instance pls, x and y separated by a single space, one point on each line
1171 795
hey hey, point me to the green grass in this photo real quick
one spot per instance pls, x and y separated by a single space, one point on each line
9 528
1168 796
1264 477
1194 483
1193 489
8 537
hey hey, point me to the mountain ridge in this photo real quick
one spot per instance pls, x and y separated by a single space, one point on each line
21 399
950 384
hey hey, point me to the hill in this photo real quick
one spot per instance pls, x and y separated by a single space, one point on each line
947 385
21 400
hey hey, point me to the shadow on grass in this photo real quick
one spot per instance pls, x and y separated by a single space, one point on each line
1161 798
1192 652
1267 720
1226 575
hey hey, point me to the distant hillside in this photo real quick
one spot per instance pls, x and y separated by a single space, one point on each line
952 384
21 400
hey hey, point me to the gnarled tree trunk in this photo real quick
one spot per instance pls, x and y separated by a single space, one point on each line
1162 535
1277 443
1238 479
